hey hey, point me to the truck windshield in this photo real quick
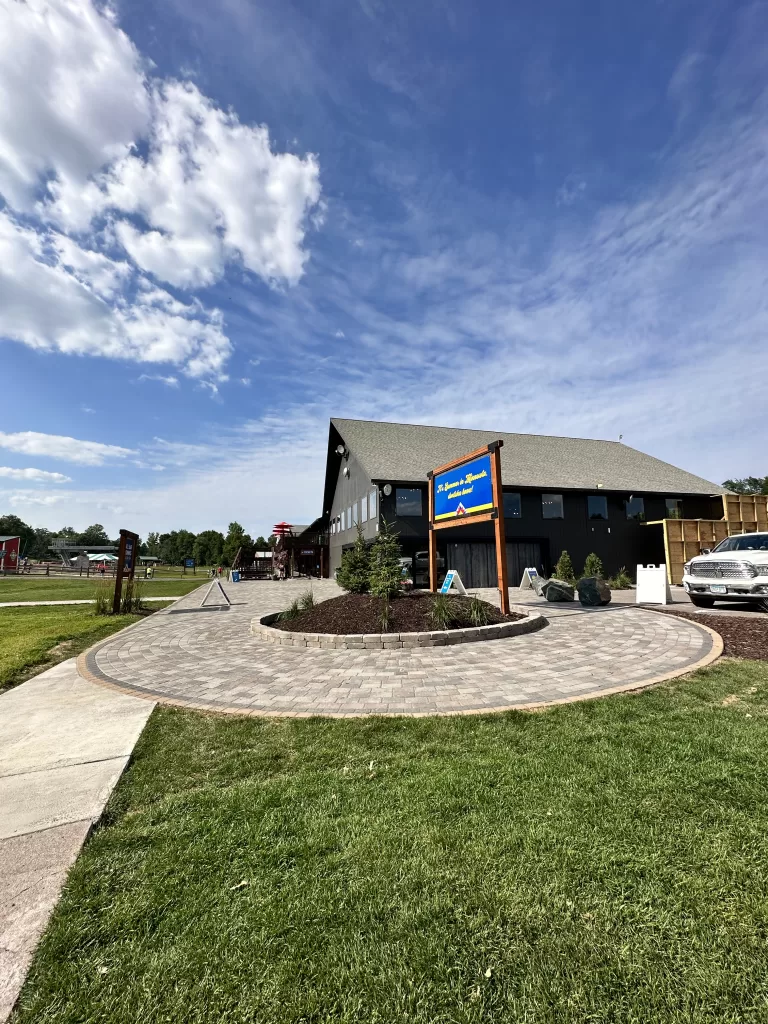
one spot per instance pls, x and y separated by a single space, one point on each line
752 542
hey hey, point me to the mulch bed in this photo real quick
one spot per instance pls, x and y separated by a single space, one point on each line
743 636
361 613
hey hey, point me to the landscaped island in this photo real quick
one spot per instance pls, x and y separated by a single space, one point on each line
413 612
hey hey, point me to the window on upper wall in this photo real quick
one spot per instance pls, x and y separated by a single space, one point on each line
372 503
635 508
408 501
364 509
355 516
674 508
597 507
552 506
512 507
342 518
349 518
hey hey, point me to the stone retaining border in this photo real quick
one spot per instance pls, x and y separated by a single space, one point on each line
263 629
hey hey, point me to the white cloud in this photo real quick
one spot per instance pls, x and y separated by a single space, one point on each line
41 475
48 306
171 382
210 189
68 449
21 499
204 191
72 94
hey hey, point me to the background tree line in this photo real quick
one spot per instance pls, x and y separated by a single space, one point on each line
207 548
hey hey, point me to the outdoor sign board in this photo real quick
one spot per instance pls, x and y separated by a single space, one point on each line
468 490
529 575
126 563
464 491
452 579
189 563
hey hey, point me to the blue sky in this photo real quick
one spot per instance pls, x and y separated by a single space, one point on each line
222 224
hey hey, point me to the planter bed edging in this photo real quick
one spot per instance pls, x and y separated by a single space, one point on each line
263 629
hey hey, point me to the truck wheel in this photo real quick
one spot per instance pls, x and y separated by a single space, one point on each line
702 602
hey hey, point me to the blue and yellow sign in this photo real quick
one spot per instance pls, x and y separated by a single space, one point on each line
466 490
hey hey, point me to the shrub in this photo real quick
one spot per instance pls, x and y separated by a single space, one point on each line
564 569
102 599
385 574
307 600
443 612
131 597
479 612
293 611
593 566
354 572
621 581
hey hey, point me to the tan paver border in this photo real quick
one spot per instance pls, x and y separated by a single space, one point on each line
264 630
643 684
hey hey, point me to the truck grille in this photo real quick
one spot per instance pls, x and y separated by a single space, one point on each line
723 570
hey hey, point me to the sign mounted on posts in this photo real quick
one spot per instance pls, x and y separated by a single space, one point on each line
468 490
126 564
465 490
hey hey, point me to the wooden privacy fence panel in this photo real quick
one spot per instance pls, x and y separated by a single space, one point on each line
747 509
686 538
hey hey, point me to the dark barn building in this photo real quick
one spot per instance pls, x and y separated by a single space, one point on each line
560 493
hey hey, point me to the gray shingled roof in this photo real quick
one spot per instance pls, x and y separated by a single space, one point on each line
407 452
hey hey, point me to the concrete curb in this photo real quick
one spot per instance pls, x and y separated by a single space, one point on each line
262 629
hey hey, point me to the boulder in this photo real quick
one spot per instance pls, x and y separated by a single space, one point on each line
558 590
593 592
538 585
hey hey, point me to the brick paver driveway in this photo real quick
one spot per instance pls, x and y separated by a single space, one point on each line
207 659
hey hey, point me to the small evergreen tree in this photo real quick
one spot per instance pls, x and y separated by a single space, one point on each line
354 572
386 573
593 566
564 569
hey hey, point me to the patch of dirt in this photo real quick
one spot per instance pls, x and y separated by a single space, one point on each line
743 636
361 613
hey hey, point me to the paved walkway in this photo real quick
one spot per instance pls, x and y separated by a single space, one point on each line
205 658
63 745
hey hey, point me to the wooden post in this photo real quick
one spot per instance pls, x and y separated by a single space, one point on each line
501 540
432 538
127 554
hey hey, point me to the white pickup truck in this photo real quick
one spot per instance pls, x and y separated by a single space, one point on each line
736 570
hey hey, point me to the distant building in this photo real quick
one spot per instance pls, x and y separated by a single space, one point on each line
560 493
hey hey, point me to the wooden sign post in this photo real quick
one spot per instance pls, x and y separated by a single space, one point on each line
127 555
468 490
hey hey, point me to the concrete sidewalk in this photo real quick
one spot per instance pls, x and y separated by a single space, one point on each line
63 745
44 604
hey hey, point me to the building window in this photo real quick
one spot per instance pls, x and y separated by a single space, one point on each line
408 501
597 507
635 508
349 518
364 509
552 506
674 508
355 517
372 503
512 506
343 520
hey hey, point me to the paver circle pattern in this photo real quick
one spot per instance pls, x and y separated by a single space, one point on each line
205 658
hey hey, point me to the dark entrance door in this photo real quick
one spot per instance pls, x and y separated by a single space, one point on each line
476 563
522 555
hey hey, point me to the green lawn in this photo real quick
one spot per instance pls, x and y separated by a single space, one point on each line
43 588
597 862
31 639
